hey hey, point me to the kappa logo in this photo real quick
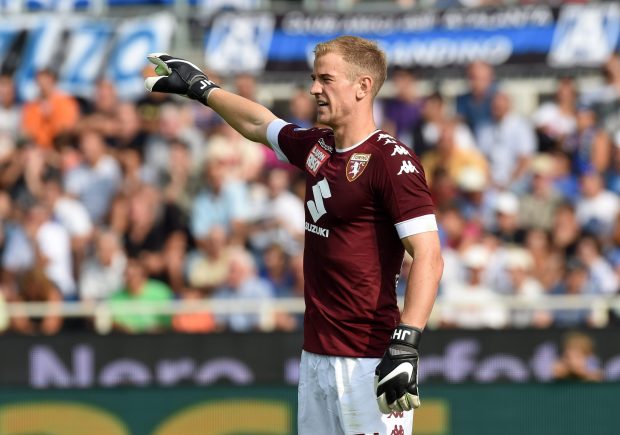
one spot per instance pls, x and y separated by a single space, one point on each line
356 165
388 139
400 151
316 158
408 168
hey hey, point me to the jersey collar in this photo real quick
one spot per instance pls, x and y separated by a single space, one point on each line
344 150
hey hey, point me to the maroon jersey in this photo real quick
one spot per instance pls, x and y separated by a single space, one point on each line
359 203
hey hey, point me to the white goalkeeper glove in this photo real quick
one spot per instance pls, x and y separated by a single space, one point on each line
179 76
396 376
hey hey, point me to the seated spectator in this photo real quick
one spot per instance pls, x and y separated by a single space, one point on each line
242 283
278 215
302 109
220 201
401 113
507 227
51 113
139 288
612 176
34 286
426 132
526 288
102 274
41 242
200 322
589 145
103 113
450 156
578 362
98 177
576 282
537 207
474 107
206 267
597 207
471 304
275 269
603 279
508 143
10 116
605 99
564 180
555 120
566 230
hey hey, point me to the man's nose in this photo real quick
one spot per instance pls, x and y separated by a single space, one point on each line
315 88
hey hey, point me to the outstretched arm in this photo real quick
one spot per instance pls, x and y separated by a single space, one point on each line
178 76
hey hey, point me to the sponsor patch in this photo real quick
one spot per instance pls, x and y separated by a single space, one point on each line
356 165
328 148
316 158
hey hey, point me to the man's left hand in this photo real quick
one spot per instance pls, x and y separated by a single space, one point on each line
396 376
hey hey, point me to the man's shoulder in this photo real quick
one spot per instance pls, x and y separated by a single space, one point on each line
387 146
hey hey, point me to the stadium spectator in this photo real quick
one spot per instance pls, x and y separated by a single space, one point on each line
472 304
426 132
102 273
152 227
566 229
589 145
139 288
402 112
103 114
278 214
555 120
135 171
51 113
603 279
275 269
206 266
537 206
507 227
301 109
578 361
475 105
97 178
10 116
242 283
220 200
450 156
39 242
597 207
605 100
198 322
575 282
508 142
538 244
612 176
522 284
34 286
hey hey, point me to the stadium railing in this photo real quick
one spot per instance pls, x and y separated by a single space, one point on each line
103 312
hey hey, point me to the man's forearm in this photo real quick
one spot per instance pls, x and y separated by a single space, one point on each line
422 285
247 117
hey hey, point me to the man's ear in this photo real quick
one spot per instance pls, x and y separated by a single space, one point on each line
365 87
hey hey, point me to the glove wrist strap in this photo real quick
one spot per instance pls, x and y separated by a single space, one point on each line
407 335
200 88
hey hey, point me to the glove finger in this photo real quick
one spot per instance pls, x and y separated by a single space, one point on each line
414 400
403 401
383 406
395 406
151 82
159 60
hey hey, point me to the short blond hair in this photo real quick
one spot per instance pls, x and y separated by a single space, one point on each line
362 54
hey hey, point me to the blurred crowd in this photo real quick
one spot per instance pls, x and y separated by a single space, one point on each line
158 199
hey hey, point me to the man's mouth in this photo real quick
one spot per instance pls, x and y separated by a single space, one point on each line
321 103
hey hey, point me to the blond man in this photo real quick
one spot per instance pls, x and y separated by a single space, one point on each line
366 202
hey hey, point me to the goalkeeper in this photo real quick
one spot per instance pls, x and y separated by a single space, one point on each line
366 202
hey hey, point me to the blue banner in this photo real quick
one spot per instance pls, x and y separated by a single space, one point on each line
575 35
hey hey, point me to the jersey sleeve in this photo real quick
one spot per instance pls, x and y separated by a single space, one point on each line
402 186
292 143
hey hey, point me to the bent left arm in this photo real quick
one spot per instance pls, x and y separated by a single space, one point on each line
424 277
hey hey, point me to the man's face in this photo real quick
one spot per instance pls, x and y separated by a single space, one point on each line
334 93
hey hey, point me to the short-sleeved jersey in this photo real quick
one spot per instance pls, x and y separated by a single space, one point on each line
360 202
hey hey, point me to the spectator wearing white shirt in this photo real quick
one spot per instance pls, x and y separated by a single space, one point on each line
597 207
555 120
39 241
96 180
103 273
508 143
602 277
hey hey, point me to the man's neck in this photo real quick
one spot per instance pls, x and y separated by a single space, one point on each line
353 132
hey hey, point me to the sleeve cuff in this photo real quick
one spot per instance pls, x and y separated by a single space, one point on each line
420 224
273 130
